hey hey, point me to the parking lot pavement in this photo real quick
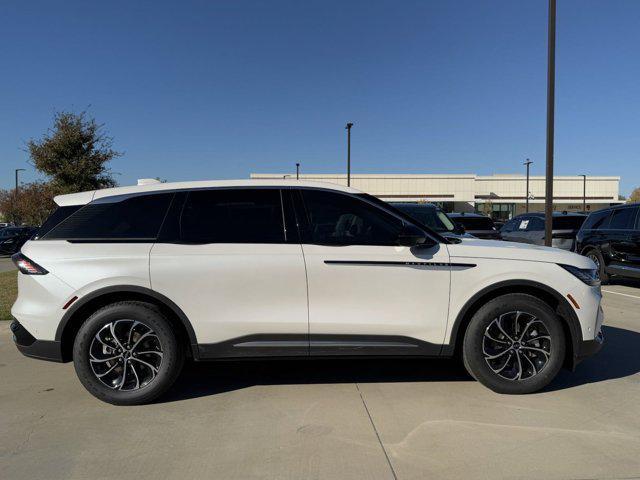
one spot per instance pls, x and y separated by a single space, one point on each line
6 264
332 419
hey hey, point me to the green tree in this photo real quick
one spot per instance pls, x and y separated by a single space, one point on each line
74 153
32 206
635 196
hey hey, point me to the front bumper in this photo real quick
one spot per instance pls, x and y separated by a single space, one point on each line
29 346
588 348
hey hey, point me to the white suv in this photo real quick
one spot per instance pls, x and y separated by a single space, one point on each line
128 282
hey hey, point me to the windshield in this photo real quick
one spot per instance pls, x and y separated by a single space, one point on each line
428 215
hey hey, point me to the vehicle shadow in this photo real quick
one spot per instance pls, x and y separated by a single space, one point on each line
200 379
618 358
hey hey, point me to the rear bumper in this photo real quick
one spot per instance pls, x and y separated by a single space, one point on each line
27 345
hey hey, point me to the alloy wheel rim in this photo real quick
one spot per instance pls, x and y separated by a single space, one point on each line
595 260
516 345
125 355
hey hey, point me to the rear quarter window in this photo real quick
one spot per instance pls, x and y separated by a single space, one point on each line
114 218
597 220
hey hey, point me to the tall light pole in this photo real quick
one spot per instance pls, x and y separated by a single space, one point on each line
15 198
297 171
584 193
18 170
551 87
527 163
348 127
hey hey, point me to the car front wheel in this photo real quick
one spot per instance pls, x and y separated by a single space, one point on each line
514 344
127 354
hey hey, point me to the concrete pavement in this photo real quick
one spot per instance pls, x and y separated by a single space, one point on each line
332 419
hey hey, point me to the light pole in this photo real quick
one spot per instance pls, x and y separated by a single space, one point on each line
551 87
584 193
297 171
348 127
15 199
527 163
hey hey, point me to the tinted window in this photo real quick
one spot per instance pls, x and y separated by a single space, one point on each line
597 220
232 216
59 214
622 219
115 218
428 215
535 224
345 220
475 223
510 226
569 222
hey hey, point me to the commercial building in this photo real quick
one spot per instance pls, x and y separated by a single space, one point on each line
501 196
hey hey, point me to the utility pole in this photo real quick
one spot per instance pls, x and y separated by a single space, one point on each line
551 84
348 127
527 163
584 193
297 171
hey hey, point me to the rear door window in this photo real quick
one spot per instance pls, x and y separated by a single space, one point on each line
118 218
248 215
622 219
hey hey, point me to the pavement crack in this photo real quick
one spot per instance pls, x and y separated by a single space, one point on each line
384 450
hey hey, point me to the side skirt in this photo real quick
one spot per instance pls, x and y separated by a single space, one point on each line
281 345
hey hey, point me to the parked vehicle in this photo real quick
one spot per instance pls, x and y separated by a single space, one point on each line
477 225
529 228
12 238
129 281
433 217
611 238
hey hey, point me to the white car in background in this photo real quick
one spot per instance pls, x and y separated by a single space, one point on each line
128 282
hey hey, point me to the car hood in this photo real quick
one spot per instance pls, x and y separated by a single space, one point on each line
477 248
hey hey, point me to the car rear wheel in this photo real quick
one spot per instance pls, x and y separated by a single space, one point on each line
514 344
127 354
596 257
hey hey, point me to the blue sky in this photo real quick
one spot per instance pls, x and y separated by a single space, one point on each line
219 89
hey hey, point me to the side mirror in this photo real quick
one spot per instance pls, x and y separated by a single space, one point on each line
411 236
459 229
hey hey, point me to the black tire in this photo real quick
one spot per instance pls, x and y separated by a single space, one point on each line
542 320
158 354
596 256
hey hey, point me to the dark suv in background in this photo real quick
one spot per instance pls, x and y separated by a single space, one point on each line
477 225
611 238
12 238
529 228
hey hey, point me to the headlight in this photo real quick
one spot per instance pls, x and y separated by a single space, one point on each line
587 275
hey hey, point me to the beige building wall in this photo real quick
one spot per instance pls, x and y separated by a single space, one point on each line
469 191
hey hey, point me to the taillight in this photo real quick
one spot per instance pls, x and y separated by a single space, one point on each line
27 266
